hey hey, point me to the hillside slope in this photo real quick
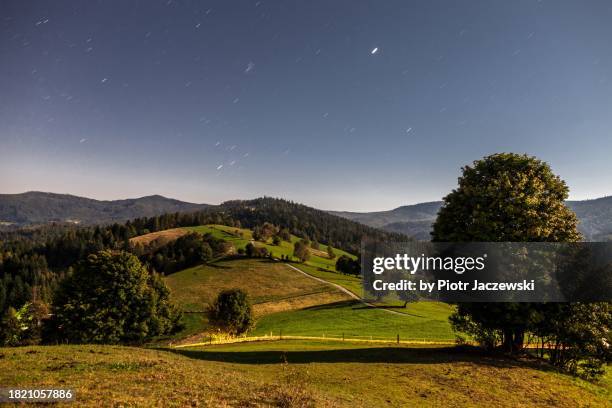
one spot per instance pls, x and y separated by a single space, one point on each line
302 220
297 298
272 287
38 208
417 212
595 218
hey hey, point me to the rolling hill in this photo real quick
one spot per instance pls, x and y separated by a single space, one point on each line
38 208
272 286
595 218
297 299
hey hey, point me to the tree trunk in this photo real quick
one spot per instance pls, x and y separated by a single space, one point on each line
513 340
518 340
507 340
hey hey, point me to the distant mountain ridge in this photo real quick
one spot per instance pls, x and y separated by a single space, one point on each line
595 218
36 207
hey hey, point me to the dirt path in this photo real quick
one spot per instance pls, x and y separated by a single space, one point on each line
348 292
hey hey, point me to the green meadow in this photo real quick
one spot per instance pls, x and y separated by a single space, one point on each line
354 320
286 301
296 374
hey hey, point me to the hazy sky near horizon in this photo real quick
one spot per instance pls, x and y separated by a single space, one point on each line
347 105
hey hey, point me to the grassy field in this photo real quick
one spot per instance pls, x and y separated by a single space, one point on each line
295 373
272 287
319 265
158 238
285 300
353 319
264 280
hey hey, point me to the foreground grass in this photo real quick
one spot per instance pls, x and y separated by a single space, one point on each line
294 373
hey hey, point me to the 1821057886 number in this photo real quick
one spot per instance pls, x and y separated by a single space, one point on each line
35 394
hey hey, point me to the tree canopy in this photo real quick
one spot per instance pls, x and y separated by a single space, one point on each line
300 251
231 311
507 197
511 197
112 298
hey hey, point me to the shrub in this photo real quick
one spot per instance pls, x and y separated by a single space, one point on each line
231 312
348 266
300 251
10 328
330 252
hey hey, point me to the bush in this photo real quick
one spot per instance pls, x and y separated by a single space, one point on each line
10 328
285 235
255 252
348 266
231 312
330 252
300 251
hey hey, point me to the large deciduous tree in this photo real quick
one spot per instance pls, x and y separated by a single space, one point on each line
501 198
507 197
112 298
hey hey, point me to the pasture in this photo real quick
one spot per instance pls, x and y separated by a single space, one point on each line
296 373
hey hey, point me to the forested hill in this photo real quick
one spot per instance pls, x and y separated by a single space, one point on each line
34 260
39 208
306 221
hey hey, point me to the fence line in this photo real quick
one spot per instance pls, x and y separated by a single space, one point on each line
368 339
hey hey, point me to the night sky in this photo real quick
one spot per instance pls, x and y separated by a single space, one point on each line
346 105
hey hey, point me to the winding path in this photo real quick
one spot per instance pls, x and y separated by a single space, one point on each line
345 290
